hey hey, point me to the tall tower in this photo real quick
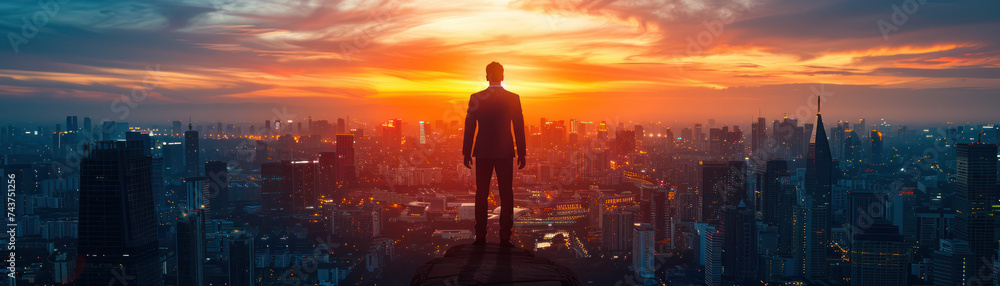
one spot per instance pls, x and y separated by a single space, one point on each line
976 200
191 248
819 184
117 231
192 159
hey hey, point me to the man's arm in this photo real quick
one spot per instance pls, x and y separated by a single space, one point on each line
518 121
470 131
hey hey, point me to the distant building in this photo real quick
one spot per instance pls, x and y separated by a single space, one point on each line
192 157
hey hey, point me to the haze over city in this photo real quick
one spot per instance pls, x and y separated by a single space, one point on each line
633 142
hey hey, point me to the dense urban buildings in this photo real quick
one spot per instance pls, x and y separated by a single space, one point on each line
644 202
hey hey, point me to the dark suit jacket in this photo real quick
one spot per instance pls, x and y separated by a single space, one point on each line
493 111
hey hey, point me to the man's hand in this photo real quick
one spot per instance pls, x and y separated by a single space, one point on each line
468 161
521 162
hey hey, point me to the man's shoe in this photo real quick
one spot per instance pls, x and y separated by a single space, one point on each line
479 242
506 244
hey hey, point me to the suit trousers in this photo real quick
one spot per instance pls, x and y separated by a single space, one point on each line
504 168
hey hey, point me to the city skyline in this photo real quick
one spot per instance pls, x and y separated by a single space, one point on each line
634 142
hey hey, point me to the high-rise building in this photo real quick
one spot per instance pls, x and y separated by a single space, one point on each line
176 128
660 213
196 195
771 184
818 187
241 260
117 221
976 200
173 159
345 157
616 232
758 136
624 143
217 174
326 175
875 149
87 125
643 250
275 192
809 225
722 184
712 247
952 263
425 130
303 181
878 256
191 248
192 159
739 230
71 124
392 135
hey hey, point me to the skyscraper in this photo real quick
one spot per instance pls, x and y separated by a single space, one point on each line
192 159
739 230
87 126
713 246
616 228
722 184
241 260
117 222
758 136
951 263
303 181
275 192
660 213
819 164
175 128
643 250
326 175
345 157
875 149
771 188
878 256
218 185
392 135
191 251
976 200
819 186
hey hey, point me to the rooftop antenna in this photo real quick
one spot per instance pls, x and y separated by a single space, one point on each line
819 99
979 139
189 123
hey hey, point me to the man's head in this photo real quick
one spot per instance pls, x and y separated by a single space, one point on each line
494 73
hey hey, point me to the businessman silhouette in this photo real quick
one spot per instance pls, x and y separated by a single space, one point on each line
493 111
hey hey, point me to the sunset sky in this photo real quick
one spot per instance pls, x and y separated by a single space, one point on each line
232 60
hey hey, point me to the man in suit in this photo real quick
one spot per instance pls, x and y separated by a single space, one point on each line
493 111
